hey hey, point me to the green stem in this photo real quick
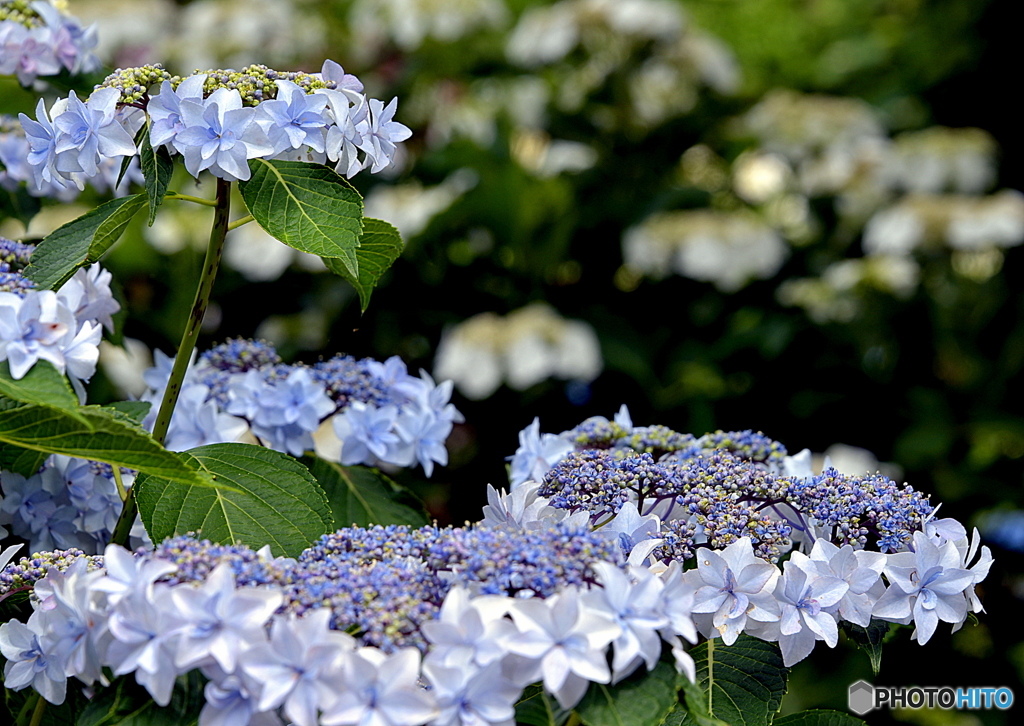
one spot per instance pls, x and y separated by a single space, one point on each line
37 714
27 708
239 222
711 673
121 491
190 198
187 345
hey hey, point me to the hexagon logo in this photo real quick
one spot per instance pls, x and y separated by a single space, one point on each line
861 698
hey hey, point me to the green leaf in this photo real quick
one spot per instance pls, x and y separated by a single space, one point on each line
157 168
81 241
43 384
307 206
125 703
133 410
362 496
869 638
127 161
537 708
679 716
644 699
96 433
820 717
744 682
21 461
259 497
379 246
695 711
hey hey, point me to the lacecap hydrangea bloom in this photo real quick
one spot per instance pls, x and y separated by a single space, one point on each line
348 410
449 608
448 625
860 547
217 121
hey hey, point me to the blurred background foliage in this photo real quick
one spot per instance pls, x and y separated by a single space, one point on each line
796 216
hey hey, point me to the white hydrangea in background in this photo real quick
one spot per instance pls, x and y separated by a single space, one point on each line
201 34
905 197
728 249
521 349
408 23
545 157
567 50
939 159
959 221
411 206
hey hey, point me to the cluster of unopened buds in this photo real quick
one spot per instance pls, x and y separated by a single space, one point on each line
217 121
543 589
36 39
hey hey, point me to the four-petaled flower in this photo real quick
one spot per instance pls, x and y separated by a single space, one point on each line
90 132
293 119
28 665
220 135
371 687
733 586
221 619
562 641
293 668
634 601
42 144
366 432
536 454
927 585
42 327
860 569
379 141
804 594
165 109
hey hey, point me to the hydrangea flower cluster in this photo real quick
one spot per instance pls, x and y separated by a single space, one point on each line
69 504
216 120
734 503
14 257
27 571
448 625
14 156
363 613
36 39
715 488
62 327
523 348
491 560
378 413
